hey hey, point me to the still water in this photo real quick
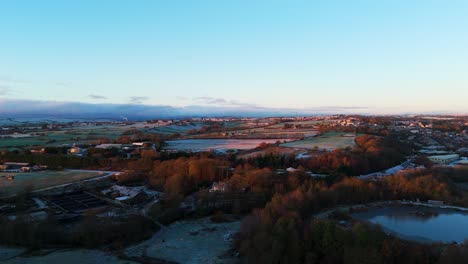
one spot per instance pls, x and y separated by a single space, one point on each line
420 223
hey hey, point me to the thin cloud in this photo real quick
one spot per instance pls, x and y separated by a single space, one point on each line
206 100
96 96
64 84
344 107
183 98
137 99
13 80
5 90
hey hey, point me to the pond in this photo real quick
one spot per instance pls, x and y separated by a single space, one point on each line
421 224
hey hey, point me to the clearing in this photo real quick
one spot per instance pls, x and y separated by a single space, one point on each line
327 141
190 242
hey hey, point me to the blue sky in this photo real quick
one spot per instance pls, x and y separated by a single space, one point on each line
384 56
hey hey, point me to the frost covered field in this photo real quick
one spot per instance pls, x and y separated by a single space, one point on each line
216 144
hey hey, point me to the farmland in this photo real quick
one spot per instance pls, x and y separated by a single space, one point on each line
217 144
68 135
327 141
277 130
40 180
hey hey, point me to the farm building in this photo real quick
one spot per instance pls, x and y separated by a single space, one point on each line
444 159
109 146
16 165
130 194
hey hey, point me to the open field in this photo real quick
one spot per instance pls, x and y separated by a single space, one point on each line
268 132
191 242
327 141
41 180
69 135
215 144
274 150
172 129
256 130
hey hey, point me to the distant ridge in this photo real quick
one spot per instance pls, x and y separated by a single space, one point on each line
78 110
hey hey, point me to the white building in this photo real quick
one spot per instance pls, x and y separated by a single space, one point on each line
444 159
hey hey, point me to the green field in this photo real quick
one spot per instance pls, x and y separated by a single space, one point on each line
327 141
82 134
40 180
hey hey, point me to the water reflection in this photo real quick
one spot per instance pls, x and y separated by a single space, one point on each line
421 224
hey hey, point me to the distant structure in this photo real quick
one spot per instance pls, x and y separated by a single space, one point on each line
444 159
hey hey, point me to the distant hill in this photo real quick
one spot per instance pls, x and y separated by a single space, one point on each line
86 111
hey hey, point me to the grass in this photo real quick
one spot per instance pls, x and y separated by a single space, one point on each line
201 241
40 180
328 141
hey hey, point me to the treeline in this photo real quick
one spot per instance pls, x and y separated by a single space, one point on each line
325 242
135 135
179 176
186 175
449 126
371 154
92 232
285 232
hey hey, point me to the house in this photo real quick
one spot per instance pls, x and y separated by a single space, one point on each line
291 169
109 146
26 169
218 187
77 151
130 194
38 151
4 167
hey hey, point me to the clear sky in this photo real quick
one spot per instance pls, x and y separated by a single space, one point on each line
387 55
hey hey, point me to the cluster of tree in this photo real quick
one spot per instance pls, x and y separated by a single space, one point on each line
282 232
211 127
371 154
362 129
186 175
183 174
271 160
449 126
291 241
135 135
